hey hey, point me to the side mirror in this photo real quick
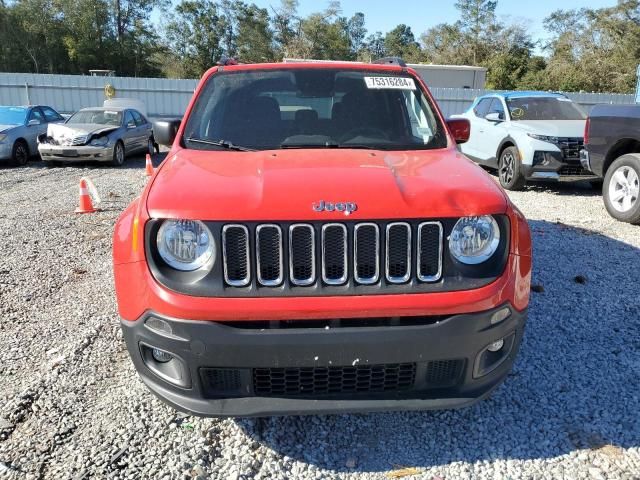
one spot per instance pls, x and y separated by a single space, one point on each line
131 125
494 117
33 122
460 129
165 131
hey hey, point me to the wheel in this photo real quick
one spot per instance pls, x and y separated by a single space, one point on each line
20 152
118 155
150 146
621 189
509 171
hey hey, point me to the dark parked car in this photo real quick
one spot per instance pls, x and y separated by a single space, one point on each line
612 151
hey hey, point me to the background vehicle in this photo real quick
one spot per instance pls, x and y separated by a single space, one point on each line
527 136
19 130
612 152
317 244
101 134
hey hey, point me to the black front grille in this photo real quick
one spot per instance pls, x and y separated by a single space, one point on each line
444 373
235 243
334 253
398 252
221 380
574 171
430 251
302 254
571 147
269 254
301 381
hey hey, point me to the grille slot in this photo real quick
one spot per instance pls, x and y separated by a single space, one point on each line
302 254
398 254
366 241
220 380
235 246
429 262
269 255
444 373
302 381
334 254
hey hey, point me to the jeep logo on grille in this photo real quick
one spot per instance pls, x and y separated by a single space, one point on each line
347 207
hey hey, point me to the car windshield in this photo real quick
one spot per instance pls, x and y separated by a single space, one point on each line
100 117
544 108
313 108
12 115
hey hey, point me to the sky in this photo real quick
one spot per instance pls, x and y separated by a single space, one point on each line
420 15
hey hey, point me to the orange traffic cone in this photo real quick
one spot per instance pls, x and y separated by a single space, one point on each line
149 166
85 199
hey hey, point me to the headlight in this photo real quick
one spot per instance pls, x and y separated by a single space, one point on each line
474 240
3 137
185 245
544 138
99 142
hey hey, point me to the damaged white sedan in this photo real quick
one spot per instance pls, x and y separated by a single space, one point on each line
97 134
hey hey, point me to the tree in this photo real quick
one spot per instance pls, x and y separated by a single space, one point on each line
477 17
357 33
286 27
194 36
255 37
400 42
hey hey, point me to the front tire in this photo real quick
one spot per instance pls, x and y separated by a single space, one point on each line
510 170
621 189
118 155
20 152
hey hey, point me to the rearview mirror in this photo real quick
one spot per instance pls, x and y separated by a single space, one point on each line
165 131
33 122
494 117
460 129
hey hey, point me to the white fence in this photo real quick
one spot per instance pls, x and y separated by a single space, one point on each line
167 97
457 100
68 93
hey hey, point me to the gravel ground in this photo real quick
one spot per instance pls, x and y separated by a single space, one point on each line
71 405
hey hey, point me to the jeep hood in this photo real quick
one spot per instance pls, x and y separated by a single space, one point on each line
284 184
552 128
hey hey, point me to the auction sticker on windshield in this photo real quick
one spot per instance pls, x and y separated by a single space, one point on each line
400 83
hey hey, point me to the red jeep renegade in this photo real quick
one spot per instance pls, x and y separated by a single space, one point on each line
314 242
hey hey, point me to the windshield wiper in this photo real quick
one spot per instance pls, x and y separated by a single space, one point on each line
221 143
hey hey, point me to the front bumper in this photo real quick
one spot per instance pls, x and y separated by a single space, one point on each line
555 166
267 368
77 154
5 151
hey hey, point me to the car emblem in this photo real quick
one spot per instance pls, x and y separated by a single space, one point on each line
347 207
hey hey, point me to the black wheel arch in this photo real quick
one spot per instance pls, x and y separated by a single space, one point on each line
621 147
506 143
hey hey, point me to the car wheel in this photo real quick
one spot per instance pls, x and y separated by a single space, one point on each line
150 146
509 170
118 154
20 152
621 189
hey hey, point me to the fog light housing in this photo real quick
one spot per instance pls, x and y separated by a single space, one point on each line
493 355
161 356
496 346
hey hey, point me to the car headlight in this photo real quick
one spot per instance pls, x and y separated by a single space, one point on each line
99 142
3 137
474 240
185 245
544 138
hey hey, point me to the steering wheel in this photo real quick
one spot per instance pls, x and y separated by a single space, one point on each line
364 131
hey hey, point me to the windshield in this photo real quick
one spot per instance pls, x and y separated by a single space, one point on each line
12 115
313 108
100 117
544 108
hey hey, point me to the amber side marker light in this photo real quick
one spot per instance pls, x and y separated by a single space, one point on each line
134 236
